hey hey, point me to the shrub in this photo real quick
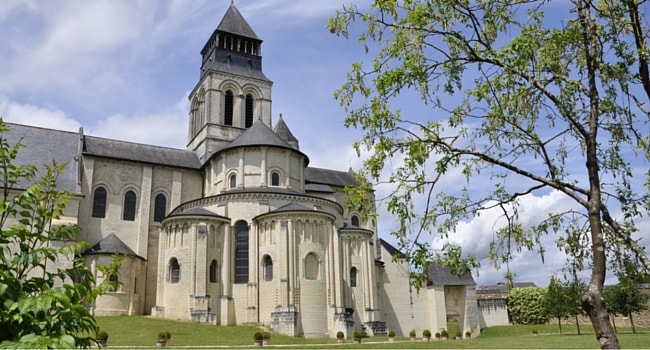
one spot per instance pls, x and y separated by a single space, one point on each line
162 336
437 335
444 333
459 335
102 335
391 333
356 335
168 335
340 335
258 336
426 333
468 334
412 333
527 305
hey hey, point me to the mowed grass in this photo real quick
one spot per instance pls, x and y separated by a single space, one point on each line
141 331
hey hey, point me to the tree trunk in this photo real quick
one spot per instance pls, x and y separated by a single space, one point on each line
592 300
578 324
559 324
632 323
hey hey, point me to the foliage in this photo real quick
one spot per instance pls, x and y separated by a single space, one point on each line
426 333
515 104
412 333
528 305
391 333
624 299
42 303
258 336
444 333
559 303
356 335
340 335
102 335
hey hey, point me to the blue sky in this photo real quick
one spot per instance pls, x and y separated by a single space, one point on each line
122 69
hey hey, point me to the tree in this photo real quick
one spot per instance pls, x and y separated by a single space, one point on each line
528 305
41 299
626 299
528 104
557 301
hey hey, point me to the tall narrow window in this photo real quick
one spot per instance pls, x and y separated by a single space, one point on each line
233 181
311 266
275 178
214 272
114 279
99 202
267 266
353 277
249 111
241 252
174 271
228 108
159 207
129 206
355 221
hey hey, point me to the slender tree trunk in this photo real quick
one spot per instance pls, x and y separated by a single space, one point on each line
559 324
632 323
578 324
592 300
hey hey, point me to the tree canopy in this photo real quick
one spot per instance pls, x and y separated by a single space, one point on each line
45 285
517 103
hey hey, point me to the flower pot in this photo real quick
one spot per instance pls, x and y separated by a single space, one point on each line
357 340
161 343
258 342
340 340
102 342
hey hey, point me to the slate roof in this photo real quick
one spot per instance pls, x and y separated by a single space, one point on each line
41 146
391 249
233 22
319 188
260 134
503 288
196 211
442 276
329 177
282 130
138 152
111 244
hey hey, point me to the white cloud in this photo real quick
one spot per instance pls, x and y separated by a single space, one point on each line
164 128
49 117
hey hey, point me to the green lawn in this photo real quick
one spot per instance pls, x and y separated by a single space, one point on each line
139 331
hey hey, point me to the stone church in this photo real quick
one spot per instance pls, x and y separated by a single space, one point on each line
237 228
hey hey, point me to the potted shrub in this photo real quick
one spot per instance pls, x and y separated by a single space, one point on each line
437 335
468 335
412 334
340 337
444 335
102 338
459 335
391 336
162 339
426 335
266 338
258 337
357 337
168 337
534 332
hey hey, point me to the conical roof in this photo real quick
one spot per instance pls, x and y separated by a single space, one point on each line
259 134
282 130
111 244
233 22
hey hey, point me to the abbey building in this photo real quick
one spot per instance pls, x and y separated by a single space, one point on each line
237 228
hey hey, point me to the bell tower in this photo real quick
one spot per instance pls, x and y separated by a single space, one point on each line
232 92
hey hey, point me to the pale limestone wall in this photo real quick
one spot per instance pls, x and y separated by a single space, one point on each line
128 298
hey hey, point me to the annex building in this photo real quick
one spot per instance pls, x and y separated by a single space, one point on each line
237 228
